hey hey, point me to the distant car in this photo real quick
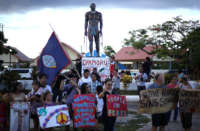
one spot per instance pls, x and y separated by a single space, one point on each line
25 73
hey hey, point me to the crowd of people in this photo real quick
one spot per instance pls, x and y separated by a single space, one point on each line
62 91
69 84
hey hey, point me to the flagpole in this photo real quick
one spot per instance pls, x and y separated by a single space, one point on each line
51 27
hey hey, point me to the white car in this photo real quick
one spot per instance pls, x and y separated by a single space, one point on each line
23 72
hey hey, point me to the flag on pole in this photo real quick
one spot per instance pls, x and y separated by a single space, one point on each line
52 59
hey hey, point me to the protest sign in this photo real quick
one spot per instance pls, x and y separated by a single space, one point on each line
19 116
116 105
84 110
158 100
53 116
189 100
101 63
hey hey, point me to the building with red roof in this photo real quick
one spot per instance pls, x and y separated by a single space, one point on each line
132 58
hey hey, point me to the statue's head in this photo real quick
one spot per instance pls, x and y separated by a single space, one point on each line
93 6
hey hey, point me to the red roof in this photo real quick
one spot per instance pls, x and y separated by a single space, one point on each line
132 54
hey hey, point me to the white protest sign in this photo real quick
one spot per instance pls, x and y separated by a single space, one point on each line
53 116
101 63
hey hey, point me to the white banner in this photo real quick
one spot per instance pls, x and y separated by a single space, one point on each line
19 116
53 116
101 63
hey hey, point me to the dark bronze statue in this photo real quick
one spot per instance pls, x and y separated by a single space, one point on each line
93 18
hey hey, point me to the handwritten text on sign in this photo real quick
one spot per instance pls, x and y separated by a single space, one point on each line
116 105
84 110
189 99
102 65
158 100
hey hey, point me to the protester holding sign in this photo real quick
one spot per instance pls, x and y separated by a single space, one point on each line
159 119
186 116
173 84
34 97
109 122
70 90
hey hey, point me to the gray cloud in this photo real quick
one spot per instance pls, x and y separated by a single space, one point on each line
15 6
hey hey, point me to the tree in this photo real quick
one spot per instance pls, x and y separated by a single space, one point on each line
108 50
168 38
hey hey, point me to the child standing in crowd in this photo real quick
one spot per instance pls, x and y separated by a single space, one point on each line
109 122
43 84
94 84
48 102
173 84
159 119
116 83
34 97
186 116
100 104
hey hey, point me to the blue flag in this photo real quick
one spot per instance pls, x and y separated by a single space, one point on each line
52 59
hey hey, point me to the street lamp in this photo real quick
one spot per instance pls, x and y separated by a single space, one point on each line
10 52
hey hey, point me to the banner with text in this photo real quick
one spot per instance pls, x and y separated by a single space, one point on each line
84 110
102 65
158 100
53 116
189 100
116 105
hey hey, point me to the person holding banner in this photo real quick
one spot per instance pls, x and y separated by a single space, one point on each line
109 122
186 116
173 84
159 119
70 90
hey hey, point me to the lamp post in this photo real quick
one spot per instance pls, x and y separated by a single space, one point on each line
10 52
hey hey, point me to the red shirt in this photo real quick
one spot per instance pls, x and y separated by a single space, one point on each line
170 85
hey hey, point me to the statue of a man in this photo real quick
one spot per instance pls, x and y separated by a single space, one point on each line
93 18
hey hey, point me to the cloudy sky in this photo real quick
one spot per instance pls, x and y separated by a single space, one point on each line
27 21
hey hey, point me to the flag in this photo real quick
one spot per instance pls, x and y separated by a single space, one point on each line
52 59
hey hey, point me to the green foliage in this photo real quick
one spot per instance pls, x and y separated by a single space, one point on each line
109 51
174 38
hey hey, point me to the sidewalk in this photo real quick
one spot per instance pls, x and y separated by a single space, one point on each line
172 126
